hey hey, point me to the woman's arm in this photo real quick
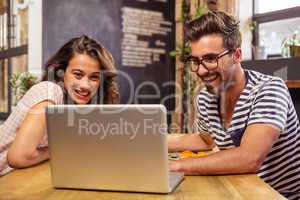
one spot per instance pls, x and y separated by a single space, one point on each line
24 152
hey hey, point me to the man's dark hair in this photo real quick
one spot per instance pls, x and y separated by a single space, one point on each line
216 22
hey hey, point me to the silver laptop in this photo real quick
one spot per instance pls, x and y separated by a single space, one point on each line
110 147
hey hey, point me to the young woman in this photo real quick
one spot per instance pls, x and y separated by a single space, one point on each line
81 72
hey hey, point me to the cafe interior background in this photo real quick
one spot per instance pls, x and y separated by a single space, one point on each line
32 30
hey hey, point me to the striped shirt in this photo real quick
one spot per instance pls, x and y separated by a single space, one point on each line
40 92
265 100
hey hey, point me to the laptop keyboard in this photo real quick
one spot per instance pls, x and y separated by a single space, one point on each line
174 178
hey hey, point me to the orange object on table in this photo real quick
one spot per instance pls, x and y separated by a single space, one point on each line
187 154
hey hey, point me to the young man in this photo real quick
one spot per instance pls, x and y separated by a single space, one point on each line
250 116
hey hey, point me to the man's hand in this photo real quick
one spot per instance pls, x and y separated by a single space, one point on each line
174 166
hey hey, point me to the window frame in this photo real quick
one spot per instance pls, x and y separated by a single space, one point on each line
8 54
287 13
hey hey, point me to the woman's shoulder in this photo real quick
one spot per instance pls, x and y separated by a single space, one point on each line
44 90
48 85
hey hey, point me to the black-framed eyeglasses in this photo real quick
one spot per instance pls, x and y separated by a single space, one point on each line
209 61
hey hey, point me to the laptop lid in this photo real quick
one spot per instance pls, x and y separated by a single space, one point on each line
108 147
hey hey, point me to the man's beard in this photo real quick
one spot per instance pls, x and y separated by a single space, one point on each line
210 89
224 85
207 84
226 81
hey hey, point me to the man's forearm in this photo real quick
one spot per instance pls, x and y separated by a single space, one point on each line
191 142
231 161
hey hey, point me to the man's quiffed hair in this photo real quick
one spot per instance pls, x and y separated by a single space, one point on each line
216 22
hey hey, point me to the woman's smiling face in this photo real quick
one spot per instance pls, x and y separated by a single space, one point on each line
82 78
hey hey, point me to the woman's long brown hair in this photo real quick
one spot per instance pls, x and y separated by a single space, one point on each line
57 65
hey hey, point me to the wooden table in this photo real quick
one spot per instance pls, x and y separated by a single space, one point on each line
35 183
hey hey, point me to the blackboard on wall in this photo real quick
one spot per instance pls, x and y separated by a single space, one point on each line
104 20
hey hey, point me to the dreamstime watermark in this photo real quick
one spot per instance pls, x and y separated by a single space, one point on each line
137 92
144 91
122 127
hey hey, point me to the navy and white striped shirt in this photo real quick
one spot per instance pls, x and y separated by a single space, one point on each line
265 99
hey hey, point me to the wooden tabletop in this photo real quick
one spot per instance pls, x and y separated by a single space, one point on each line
293 83
35 183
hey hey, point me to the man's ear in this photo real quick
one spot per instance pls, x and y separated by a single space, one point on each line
237 55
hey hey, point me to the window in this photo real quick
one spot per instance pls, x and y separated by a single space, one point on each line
3 86
263 6
13 48
276 22
272 34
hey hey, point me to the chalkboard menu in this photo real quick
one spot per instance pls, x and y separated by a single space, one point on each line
139 33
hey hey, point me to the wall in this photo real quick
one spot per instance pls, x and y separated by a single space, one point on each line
35 37
244 13
64 19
